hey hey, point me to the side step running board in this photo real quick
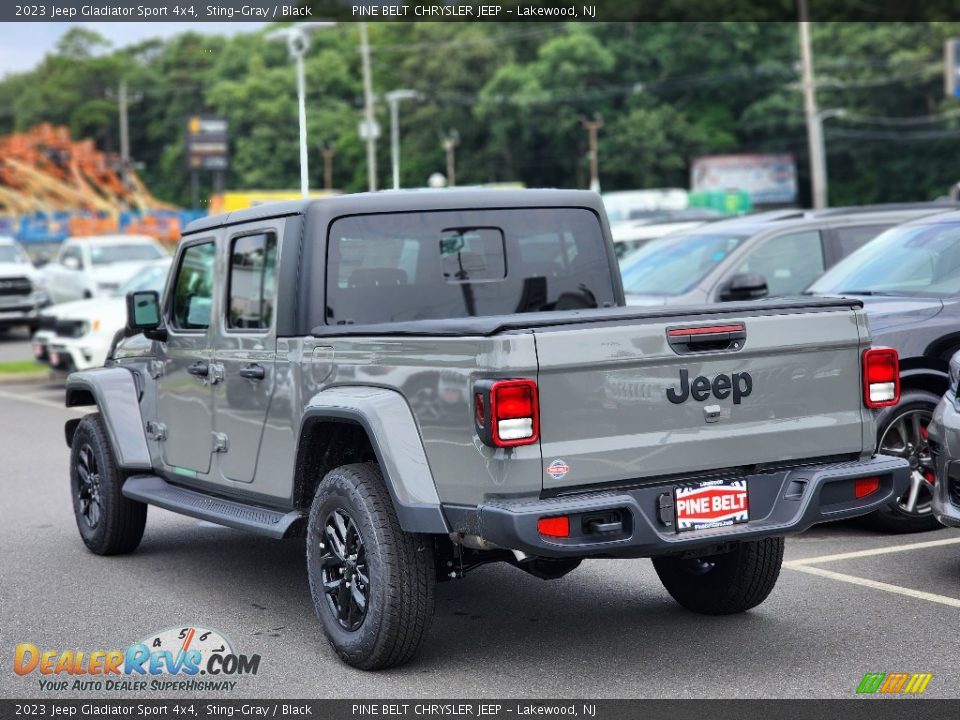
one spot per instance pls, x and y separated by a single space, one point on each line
155 490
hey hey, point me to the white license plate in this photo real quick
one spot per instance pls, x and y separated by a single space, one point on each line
711 504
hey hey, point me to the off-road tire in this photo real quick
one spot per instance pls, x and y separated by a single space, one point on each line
724 584
400 566
891 518
120 523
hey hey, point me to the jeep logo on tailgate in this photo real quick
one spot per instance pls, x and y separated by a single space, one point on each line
740 385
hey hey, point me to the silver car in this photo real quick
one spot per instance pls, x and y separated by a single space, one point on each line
944 436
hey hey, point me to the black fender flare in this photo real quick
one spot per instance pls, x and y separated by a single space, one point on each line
116 395
388 422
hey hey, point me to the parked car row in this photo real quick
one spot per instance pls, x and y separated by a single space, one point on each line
84 268
902 262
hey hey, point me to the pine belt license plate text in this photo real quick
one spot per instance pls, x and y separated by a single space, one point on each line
711 504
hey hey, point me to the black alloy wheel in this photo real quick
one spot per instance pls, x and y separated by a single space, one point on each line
89 502
346 578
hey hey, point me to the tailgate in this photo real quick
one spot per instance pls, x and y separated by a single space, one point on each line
649 397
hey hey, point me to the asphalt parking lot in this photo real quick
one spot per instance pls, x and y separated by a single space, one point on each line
849 602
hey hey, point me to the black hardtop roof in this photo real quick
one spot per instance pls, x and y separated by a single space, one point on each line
407 201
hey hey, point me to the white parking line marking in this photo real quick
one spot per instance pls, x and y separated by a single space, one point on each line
874 584
45 403
871 552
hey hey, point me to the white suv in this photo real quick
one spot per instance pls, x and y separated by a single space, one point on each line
78 335
21 290
96 266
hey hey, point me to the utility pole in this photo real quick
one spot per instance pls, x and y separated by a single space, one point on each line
328 150
593 127
123 103
450 143
371 134
814 127
124 127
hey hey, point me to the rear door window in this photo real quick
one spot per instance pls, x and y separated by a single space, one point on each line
451 264
789 262
252 288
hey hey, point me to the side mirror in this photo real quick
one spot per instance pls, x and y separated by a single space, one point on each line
143 314
43 258
745 286
71 263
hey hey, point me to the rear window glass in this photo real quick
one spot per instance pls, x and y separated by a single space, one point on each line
450 264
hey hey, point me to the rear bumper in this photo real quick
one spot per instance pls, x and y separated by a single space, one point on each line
781 503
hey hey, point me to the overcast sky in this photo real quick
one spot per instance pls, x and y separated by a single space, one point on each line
23 45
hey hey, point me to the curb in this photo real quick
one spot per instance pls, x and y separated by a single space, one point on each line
27 377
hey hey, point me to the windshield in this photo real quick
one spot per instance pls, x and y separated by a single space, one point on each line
106 254
151 278
905 260
673 265
11 254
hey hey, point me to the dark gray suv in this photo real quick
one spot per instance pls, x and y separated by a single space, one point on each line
909 281
772 254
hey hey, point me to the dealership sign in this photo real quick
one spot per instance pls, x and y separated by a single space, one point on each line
767 178
207 143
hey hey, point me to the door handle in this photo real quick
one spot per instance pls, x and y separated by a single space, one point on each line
199 368
253 372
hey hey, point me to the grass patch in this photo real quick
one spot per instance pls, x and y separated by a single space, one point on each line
16 367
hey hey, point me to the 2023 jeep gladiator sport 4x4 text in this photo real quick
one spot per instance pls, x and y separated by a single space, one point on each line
422 382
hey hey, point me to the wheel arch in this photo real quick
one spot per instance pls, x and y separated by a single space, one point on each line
349 424
924 373
115 394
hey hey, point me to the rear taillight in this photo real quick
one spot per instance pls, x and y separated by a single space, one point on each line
506 412
881 377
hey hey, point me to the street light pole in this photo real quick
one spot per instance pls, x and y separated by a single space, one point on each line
302 114
821 152
298 43
393 98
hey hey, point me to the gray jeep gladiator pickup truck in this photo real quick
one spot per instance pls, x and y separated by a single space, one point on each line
424 382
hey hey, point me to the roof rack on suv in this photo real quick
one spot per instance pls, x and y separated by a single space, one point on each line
932 206
769 215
